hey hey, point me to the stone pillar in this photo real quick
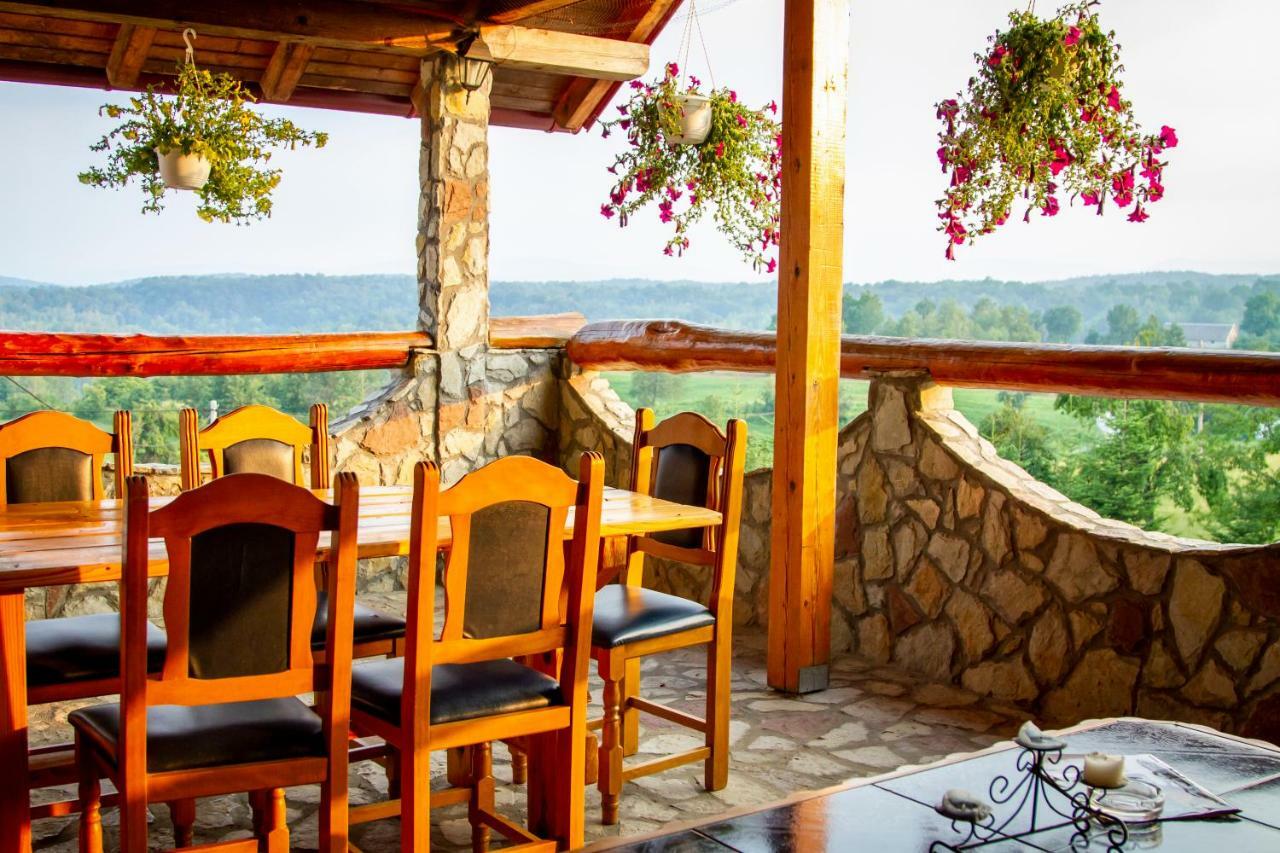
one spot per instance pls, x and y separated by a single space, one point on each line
453 259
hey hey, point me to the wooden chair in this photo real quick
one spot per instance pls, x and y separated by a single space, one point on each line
261 440
222 715
465 692
687 459
52 456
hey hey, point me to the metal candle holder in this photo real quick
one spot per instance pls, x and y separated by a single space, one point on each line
1054 803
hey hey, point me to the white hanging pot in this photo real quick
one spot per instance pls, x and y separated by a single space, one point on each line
695 119
183 171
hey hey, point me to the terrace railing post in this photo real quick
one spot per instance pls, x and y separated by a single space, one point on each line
810 278
453 256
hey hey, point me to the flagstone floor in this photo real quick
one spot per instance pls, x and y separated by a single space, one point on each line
872 719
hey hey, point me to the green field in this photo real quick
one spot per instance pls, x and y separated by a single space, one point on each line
726 395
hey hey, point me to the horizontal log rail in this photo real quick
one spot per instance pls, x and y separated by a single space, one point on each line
57 354
1158 373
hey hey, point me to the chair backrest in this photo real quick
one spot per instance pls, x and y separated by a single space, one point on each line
240 599
53 456
687 459
567 589
256 440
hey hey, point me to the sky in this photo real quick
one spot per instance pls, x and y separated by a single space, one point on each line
1207 69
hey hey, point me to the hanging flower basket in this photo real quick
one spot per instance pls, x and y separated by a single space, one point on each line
690 151
695 119
1044 119
204 137
181 171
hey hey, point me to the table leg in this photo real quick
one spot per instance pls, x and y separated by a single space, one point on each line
15 801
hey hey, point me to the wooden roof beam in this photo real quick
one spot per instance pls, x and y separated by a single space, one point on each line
530 10
285 69
582 98
127 55
553 52
330 23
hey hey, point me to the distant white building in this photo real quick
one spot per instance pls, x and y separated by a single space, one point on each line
1210 335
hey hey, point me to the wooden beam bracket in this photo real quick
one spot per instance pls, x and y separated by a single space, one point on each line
129 52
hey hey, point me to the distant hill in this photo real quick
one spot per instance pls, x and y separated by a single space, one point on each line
235 303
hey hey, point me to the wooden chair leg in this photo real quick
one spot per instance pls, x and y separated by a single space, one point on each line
182 814
458 766
610 783
90 802
481 795
392 767
592 774
630 716
414 782
275 826
538 786
333 807
570 803
133 818
719 674
519 762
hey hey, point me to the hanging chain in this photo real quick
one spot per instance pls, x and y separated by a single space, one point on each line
693 23
189 36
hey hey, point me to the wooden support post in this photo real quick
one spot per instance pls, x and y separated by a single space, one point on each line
814 95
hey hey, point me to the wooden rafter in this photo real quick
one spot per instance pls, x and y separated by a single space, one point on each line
285 70
582 97
530 10
127 55
331 23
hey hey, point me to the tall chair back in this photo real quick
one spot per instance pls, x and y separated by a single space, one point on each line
53 456
241 596
689 460
256 440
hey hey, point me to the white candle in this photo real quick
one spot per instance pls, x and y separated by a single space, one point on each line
1103 771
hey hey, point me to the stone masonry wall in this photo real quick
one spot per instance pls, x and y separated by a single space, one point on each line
958 565
966 568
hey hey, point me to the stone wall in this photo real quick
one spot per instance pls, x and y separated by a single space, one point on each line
958 565
966 568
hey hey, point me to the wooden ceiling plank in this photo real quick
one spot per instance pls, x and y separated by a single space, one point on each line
285 70
549 51
530 10
581 97
335 23
37 24
128 55
53 41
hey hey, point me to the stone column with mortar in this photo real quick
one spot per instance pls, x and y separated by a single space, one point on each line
453 259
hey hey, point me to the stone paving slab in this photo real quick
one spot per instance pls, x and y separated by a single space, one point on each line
872 719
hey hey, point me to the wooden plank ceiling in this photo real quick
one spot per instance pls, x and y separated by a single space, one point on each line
356 55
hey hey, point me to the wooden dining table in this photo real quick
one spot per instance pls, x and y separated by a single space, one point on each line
51 544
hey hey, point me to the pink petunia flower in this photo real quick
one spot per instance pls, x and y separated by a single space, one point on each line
1051 206
1138 215
606 211
1072 37
997 56
1113 99
673 70
772 265
1168 137
719 149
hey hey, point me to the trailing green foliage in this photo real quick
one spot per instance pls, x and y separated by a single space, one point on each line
208 115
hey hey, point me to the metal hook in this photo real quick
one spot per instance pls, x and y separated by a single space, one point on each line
188 36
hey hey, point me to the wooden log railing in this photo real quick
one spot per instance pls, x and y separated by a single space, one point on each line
56 354
1158 373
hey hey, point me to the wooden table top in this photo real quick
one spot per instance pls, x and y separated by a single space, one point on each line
48 544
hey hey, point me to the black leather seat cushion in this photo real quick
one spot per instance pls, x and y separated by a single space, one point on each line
627 614
459 691
370 625
184 738
82 648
